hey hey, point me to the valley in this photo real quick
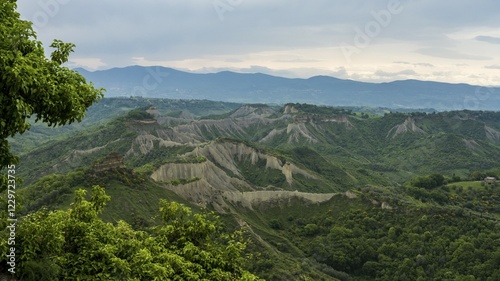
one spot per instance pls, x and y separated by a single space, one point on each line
316 189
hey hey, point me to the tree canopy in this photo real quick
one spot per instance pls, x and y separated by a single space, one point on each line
75 244
32 84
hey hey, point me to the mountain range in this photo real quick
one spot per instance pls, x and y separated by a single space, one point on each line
161 82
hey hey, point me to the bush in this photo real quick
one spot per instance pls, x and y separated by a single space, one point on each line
275 224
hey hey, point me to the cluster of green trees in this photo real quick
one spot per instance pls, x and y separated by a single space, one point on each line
190 159
183 181
75 244
481 175
161 155
428 182
50 190
258 174
470 196
407 243
314 161
138 114
320 110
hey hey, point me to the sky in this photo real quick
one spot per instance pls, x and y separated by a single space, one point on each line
455 41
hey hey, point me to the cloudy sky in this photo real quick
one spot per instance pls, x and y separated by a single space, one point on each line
367 40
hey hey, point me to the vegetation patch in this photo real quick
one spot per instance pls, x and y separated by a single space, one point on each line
181 181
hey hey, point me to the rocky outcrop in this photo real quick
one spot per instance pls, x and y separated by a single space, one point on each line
339 119
200 130
250 111
77 154
251 199
226 153
492 134
407 126
290 109
145 143
210 175
272 134
112 161
351 195
471 144
297 132
220 177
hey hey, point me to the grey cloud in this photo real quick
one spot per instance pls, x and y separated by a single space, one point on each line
442 73
115 31
451 13
489 39
449 54
424 64
402 62
181 28
492 66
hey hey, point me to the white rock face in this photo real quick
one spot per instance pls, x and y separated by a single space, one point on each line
290 109
250 199
296 131
215 186
212 175
407 126
143 144
492 134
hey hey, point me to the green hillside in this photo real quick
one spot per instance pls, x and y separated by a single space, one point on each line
321 193
397 145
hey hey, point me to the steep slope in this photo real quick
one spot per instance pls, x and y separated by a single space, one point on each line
345 149
236 173
408 126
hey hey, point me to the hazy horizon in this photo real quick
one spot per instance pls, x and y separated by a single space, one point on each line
446 41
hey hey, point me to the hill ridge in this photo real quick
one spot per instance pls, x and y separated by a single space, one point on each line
230 86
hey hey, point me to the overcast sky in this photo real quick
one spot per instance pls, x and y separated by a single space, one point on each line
367 40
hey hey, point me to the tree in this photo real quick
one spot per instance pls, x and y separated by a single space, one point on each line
33 85
428 182
75 244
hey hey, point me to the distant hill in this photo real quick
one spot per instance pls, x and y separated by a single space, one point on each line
229 86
